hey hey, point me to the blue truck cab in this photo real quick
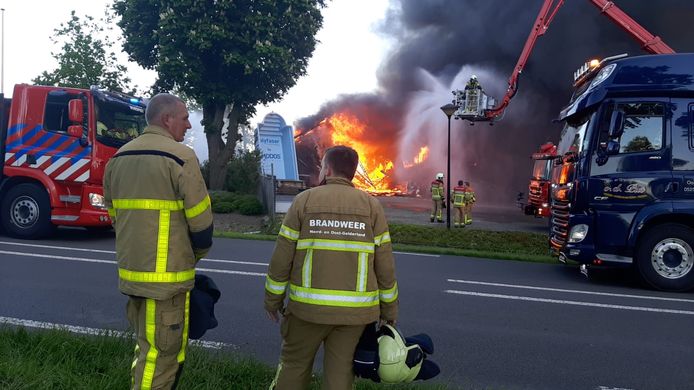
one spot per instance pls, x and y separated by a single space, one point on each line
623 188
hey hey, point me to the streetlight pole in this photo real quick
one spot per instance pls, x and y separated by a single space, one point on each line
2 50
449 109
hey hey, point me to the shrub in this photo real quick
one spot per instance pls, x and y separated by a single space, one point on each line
243 173
249 205
223 207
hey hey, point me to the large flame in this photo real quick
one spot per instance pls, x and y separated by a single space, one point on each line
375 172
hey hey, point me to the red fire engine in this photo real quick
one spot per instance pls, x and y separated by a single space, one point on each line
539 187
56 142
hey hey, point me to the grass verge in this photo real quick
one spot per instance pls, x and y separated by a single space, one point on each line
56 359
507 245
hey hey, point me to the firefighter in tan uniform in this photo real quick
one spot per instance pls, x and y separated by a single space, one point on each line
437 197
470 199
333 258
458 196
160 209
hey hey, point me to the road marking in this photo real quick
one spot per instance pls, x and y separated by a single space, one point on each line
87 260
571 291
415 254
100 332
67 248
575 303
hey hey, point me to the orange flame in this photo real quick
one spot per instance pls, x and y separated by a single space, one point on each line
374 169
419 158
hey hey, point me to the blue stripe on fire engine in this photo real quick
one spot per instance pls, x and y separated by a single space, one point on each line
16 128
33 147
81 155
24 138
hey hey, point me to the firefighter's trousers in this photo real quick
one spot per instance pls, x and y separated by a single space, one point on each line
300 342
459 216
467 214
161 328
436 211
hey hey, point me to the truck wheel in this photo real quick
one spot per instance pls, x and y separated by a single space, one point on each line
26 212
665 258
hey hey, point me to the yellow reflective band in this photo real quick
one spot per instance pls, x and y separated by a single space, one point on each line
362 272
389 295
336 245
289 233
112 213
307 269
148 204
458 199
152 353
182 353
163 240
156 277
199 208
274 287
382 239
320 297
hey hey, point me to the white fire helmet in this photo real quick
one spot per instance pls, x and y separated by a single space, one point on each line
473 77
439 175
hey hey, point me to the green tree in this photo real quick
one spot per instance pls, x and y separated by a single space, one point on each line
85 58
223 54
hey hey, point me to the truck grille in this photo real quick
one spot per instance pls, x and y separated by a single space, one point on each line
535 195
560 225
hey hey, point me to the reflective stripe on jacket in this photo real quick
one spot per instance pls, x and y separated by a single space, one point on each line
161 212
436 190
459 196
333 258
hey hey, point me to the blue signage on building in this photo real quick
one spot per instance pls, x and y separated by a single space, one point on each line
275 141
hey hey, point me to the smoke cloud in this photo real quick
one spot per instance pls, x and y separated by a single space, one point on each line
443 42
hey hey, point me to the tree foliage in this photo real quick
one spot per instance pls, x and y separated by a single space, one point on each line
222 54
86 57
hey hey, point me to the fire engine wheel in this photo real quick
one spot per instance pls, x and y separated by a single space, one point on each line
665 257
26 212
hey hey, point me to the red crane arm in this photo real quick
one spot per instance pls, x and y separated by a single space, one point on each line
544 18
649 42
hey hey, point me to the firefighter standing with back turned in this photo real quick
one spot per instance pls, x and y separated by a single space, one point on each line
437 197
459 204
470 199
160 208
334 259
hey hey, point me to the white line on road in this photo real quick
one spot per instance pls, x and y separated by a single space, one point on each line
87 260
570 291
415 254
98 332
67 248
565 302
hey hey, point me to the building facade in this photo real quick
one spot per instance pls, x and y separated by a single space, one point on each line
275 140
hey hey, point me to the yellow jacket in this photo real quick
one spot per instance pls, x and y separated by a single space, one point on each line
334 259
161 211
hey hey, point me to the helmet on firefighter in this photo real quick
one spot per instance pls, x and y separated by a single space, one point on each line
402 360
473 77
439 175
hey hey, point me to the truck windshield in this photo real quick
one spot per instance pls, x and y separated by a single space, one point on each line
573 136
541 169
117 120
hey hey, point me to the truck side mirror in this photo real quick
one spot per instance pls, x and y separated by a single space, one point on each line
616 124
612 148
76 112
74 131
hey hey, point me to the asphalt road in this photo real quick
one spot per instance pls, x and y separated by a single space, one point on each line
495 324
